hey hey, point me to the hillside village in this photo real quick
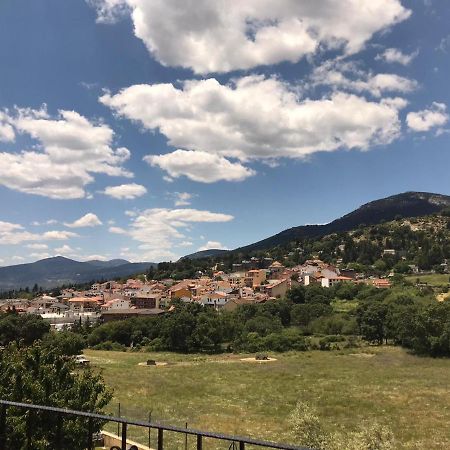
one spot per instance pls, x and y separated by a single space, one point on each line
367 255
249 284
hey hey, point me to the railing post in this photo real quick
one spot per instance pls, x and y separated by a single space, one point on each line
90 432
58 437
241 445
150 430
28 428
160 438
199 442
3 427
124 436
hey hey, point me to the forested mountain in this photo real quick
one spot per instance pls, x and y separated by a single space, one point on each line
408 204
52 272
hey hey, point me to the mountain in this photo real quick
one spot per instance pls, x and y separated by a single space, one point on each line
408 204
110 263
53 272
210 253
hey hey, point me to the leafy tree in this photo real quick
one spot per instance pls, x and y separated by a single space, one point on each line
43 376
25 327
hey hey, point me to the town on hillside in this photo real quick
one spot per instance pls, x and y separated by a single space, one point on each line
252 281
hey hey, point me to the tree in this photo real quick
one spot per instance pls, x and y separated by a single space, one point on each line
43 376
371 320
26 327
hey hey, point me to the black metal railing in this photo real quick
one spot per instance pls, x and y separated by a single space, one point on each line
232 441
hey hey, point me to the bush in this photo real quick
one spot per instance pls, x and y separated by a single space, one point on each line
111 346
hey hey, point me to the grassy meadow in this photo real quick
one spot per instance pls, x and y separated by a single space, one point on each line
434 279
225 394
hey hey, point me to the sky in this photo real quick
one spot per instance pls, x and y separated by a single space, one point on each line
150 129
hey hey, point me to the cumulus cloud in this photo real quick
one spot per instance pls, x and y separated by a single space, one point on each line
65 250
7 133
38 246
182 198
216 245
159 230
88 220
347 76
435 116
199 166
250 118
70 149
394 55
117 230
95 258
14 233
58 235
125 191
209 36
109 11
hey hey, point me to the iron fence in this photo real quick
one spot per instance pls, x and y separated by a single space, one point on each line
124 424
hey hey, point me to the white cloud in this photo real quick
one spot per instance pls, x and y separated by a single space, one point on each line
108 11
88 220
347 76
7 227
117 230
182 198
70 150
185 244
13 234
435 116
7 133
47 222
58 235
252 118
95 258
394 55
65 250
199 166
216 245
210 36
38 246
159 230
125 191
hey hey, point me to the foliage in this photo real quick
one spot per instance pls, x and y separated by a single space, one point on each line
307 430
25 327
42 375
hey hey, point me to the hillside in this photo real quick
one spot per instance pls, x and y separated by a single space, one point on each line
211 253
57 271
408 204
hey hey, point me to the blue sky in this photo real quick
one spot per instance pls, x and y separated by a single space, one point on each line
148 129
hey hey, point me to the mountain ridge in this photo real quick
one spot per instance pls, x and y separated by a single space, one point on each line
58 270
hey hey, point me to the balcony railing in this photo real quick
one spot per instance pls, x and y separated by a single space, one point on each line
235 442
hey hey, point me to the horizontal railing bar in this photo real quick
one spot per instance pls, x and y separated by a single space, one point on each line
157 425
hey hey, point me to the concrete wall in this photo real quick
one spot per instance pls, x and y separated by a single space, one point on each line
111 439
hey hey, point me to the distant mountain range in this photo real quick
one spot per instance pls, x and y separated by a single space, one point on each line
408 204
53 272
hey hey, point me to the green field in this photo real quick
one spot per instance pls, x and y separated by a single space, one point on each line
224 394
434 279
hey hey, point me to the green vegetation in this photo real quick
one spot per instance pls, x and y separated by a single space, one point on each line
44 375
308 318
434 279
351 390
